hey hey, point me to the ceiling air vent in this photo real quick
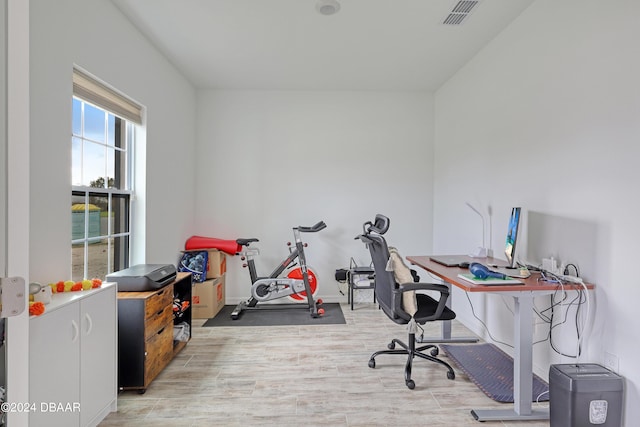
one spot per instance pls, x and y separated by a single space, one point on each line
460 11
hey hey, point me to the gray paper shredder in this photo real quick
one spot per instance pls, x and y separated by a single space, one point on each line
584 395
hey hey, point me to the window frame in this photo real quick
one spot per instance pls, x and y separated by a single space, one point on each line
117 259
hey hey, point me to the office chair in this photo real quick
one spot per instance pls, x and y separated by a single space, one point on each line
399 301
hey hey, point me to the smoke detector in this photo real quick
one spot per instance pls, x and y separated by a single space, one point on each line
327 7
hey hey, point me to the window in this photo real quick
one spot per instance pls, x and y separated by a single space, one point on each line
101 170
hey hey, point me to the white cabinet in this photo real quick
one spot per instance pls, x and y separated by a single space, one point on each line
54 358
73 359
98 356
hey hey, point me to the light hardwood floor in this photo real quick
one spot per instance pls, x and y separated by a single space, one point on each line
303 376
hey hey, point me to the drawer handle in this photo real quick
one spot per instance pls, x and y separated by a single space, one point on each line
160 312
161 292
161 330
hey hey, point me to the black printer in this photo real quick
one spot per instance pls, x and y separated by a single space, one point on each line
143 277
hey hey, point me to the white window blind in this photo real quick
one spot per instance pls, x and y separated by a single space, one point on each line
95 92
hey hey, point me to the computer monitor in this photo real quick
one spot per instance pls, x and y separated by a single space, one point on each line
512 237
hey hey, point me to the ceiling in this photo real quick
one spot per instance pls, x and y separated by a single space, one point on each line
288 45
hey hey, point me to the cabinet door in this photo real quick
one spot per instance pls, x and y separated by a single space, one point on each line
54 357
98 354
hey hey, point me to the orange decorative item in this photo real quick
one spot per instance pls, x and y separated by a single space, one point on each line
36 308
71 286
60 286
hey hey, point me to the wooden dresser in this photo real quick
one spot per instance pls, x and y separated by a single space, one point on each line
145 332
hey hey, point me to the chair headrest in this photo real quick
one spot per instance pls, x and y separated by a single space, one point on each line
379 226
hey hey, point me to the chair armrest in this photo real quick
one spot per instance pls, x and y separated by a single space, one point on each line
412 286
407 287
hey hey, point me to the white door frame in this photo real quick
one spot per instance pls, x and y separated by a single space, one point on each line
17 334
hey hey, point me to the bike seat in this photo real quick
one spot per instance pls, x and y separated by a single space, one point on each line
245 242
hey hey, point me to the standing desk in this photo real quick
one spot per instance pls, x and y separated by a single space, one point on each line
523 296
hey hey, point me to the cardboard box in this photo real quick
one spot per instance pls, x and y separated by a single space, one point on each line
217 264
207 298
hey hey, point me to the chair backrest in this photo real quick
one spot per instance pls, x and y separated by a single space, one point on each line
385 281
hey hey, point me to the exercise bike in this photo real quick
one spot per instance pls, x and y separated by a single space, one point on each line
299 283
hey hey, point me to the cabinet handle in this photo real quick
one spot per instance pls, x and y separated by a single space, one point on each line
89 323
76 330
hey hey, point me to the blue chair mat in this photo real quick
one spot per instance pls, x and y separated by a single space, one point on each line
491 369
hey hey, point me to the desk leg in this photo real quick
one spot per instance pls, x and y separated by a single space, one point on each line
445 330
522 369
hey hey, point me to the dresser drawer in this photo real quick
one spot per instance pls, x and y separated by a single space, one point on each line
158 321
159 300
158 352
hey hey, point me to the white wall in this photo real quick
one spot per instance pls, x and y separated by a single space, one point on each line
548 117
269 161
105 44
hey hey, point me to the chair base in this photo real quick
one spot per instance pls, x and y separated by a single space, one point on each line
412 352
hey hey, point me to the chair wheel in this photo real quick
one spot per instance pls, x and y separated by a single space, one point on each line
372 363
410 384
391 345
451 375
435 352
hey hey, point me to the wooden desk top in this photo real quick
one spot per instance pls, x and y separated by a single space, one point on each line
148 294
450 275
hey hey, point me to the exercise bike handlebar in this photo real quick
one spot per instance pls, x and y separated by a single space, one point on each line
316 227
